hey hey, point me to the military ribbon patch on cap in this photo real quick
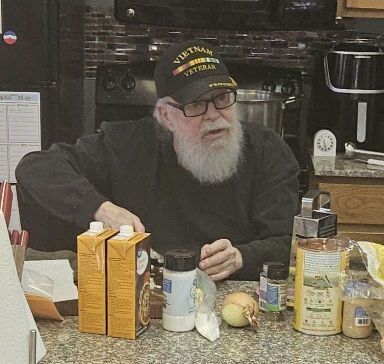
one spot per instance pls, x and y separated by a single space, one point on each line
194 62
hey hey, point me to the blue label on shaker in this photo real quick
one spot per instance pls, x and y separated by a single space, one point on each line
167 285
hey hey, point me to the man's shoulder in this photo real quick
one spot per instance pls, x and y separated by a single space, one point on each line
266 143
259 135
132 135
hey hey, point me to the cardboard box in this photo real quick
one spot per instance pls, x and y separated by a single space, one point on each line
128 288
91 272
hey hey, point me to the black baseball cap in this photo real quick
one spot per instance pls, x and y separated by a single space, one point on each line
189 69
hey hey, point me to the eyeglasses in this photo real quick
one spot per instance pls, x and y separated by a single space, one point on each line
200 107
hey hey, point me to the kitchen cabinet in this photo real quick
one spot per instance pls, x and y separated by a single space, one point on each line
360 8
357 196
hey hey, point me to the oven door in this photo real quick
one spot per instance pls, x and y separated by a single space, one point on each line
197 14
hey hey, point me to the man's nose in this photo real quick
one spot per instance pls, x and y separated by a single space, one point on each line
212 113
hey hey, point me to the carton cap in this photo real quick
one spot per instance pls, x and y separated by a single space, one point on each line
126 230
96 226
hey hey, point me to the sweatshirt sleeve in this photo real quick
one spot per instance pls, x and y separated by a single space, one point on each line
68 182
274 205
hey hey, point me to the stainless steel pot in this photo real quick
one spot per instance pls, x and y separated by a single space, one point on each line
262 107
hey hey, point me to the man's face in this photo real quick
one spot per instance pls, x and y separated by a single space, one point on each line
209 145
211 128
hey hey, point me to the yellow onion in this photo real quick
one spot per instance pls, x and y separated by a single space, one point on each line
240 309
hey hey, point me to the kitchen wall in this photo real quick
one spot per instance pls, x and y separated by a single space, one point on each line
107 41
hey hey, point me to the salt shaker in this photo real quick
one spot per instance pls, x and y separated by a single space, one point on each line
179 284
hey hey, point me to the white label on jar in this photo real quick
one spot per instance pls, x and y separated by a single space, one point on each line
361 317
179 295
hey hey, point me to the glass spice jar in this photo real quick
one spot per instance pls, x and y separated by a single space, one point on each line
356 322
276 292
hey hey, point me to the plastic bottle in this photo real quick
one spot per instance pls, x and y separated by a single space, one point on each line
277 277
179 284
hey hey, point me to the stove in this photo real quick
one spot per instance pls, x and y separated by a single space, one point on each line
126 91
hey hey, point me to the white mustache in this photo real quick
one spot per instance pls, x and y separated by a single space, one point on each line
219 123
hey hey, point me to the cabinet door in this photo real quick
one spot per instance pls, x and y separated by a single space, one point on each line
359 209
365 4
360 8
356 204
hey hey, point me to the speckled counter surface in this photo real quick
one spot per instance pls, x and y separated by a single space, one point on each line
272 343
340 167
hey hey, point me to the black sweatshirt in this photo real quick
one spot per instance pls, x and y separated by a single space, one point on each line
60 189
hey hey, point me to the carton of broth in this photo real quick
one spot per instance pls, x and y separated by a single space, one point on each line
128 288
91 263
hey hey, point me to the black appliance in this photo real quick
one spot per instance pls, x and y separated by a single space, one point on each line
124 91
350 98
127 91
229 14
304 14
41 51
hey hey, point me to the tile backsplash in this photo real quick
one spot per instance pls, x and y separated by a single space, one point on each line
107 41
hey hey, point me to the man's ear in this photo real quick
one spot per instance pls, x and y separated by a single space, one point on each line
164 115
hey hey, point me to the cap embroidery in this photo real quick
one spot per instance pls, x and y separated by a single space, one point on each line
194 62
190 50
223 84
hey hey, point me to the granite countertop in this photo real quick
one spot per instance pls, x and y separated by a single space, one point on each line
340 167
272 343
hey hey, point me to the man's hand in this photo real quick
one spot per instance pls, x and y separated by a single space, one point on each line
114 216
220 259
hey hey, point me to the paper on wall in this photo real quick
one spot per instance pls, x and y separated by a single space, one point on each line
16 319
20 129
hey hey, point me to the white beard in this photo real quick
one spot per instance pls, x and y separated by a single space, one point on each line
213 161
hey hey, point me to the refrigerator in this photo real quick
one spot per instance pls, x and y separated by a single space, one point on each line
41 87
41 51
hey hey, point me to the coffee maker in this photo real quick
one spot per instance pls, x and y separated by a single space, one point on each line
348 93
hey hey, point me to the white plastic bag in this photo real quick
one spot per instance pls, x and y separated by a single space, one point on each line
206 322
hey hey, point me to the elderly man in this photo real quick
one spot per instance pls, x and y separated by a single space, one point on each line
194 176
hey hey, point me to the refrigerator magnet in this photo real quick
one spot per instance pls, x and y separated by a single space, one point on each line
10 37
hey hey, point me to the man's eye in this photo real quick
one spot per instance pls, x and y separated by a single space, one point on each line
196 105
222 97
